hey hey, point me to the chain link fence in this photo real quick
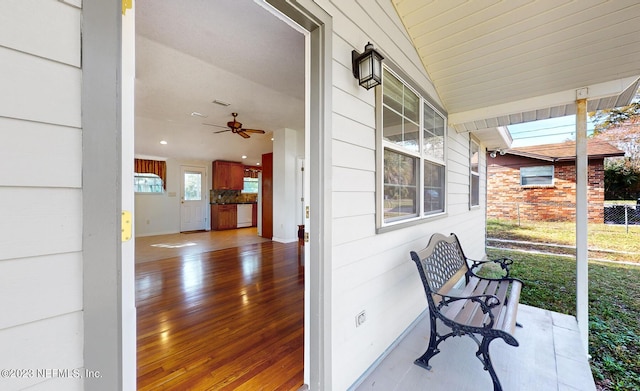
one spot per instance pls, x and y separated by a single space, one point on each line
613 228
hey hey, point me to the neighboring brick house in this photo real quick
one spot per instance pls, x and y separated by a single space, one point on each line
539 182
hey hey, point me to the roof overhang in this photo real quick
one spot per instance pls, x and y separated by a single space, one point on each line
600 96
489 124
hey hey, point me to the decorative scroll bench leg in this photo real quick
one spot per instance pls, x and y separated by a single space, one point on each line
432 350
483 355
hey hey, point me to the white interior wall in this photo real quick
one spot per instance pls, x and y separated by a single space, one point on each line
285 155
159 214
41 188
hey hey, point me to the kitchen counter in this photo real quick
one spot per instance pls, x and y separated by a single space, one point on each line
233 203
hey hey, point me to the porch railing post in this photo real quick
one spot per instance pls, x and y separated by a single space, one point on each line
582 270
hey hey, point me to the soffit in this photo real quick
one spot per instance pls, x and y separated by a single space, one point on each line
496 63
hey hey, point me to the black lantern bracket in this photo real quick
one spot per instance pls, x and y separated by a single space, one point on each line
370 61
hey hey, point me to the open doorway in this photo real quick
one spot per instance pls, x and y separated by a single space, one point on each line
193 69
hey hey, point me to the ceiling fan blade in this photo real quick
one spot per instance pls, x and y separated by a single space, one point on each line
217 126
222 131
243 134
253 131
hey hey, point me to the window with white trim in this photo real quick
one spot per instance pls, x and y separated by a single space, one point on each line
474 177
413 149
147 183
536 176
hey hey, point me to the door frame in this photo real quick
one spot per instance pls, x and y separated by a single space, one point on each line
108 270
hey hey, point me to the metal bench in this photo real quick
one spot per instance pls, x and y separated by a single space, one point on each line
467 304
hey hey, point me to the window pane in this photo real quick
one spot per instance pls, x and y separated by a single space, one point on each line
433 188
539 175
192 186
411 139
433 141
250 185
393 92
147 183
475 157
400 183
474 152
391 126
475 190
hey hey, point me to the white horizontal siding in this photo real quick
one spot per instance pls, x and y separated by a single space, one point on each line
350 131
54 343
57 26
347 179
41 301
32 289
353 204
59 145
39 221
38 89
370 271
353 156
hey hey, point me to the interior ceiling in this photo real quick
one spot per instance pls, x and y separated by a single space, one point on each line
496 62
192 52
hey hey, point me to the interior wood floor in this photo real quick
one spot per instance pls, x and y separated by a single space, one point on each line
230 319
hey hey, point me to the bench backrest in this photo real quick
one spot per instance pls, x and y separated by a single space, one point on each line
441 264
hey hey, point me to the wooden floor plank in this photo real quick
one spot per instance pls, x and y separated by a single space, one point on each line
227 319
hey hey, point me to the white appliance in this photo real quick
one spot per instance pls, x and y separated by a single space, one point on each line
244 215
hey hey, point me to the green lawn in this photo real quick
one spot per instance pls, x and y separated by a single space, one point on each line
614 309
625 246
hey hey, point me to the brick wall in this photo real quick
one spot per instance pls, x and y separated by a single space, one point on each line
507 200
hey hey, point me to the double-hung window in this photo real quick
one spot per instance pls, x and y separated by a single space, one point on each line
413 137
474 174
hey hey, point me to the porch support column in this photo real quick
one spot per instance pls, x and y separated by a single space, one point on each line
582 276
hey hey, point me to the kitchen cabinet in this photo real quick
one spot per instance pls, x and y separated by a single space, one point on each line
224 216
228 175
254 215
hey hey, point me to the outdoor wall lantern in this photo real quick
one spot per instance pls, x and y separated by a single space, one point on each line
367 67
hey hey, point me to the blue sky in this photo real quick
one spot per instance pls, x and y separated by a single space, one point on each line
548 131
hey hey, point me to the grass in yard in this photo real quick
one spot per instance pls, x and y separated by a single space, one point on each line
614 309
600 236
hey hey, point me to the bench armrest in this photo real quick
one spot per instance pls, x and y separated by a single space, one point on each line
505 264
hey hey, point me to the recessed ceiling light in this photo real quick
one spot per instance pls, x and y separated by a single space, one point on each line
221 103
163 142
196 114
272 139
244 156
257 164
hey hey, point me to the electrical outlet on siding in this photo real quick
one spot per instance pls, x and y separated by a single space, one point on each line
361 318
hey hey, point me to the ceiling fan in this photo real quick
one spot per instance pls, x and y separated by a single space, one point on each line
236 127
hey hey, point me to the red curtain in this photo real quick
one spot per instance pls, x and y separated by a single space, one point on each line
157 167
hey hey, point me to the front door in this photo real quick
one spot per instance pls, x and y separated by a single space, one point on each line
193 201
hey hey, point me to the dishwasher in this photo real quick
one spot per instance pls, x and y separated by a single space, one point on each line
244 215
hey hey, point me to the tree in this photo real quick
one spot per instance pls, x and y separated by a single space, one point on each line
611 118
621 127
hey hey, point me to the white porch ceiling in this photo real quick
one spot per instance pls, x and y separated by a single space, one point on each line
496 63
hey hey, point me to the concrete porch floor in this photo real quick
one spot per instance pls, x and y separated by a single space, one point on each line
550 357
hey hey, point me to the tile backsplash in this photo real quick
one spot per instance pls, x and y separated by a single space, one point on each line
232 197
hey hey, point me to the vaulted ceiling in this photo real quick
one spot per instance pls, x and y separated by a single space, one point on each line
496 62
